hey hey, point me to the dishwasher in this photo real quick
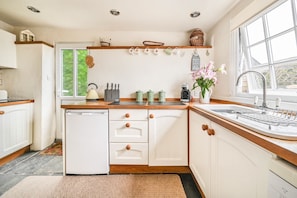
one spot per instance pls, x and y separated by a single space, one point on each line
86 142
282 181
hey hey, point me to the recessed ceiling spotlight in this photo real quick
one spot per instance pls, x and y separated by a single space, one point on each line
33 9
195 14
115 12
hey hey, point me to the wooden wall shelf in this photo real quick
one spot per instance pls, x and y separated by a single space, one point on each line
150 47
34 42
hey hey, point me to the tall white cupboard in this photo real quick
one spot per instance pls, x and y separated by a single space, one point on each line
34 79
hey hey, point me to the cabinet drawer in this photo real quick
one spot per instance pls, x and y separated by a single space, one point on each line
128 153
127 114
128 131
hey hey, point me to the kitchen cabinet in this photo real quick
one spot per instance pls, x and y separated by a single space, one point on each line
148 137
225 164
16 122
168 138
7 50
128 136
34 79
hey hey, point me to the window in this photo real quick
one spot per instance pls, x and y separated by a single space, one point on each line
268 44
72 70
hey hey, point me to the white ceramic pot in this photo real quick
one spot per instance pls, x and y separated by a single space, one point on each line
206 98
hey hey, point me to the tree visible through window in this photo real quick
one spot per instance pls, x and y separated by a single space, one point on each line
268 45
74 72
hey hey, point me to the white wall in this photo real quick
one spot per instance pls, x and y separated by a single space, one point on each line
144 71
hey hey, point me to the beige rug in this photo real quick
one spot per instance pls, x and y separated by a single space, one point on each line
103 186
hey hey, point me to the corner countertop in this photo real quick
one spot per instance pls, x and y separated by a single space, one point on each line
282 148
285 149
16 102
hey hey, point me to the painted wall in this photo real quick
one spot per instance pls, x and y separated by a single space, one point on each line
144 71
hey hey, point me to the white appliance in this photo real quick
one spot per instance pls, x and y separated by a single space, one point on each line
86 142
3 95
282 181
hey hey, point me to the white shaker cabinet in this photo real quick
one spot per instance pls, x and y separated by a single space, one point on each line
16 123
224 164
128 136
7 50
168 138
35 79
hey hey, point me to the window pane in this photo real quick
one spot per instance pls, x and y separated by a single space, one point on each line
67 76
286 75
255 31
81 73
284 46
259 54
280 19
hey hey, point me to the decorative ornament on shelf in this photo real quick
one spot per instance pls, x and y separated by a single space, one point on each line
205 78
27 36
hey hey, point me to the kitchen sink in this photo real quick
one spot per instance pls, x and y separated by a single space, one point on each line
275 123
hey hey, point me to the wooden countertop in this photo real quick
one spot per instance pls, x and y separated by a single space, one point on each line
282 148
107 105
2 104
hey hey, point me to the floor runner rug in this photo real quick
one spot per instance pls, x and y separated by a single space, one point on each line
103 186
54 149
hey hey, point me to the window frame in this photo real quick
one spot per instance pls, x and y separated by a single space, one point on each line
272 93
59 59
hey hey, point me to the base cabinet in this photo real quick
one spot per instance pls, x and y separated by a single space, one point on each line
16 123
148 137
128 136
168 139
224 164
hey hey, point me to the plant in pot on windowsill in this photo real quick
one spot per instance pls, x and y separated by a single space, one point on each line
205 78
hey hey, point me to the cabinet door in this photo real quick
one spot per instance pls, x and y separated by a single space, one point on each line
129 153
15 127
168 138
7 50
239 166
200 152
128 131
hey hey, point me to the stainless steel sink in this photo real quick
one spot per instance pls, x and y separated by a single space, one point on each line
275 123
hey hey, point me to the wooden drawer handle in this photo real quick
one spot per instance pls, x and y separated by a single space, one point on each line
128 125
211 131
204 127
128 147
127 115
2 112
151 115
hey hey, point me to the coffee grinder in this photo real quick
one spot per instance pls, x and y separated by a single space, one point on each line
185 95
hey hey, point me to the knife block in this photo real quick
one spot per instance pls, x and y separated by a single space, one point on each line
112 95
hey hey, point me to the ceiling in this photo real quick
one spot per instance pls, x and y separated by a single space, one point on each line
135 15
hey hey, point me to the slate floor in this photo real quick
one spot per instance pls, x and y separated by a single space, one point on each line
32 163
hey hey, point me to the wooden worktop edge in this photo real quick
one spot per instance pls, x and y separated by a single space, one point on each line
261 140
16 103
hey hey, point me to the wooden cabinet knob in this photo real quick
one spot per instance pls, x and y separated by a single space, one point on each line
210 131
128 147
2 112
151 115
127 115
128 125
204 127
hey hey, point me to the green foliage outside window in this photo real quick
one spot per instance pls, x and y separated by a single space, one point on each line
74 60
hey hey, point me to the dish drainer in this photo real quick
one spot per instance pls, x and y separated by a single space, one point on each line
271 117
